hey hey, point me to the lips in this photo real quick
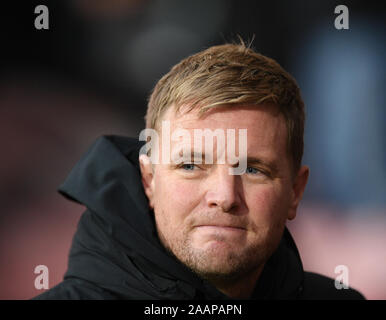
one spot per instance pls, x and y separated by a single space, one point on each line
221 226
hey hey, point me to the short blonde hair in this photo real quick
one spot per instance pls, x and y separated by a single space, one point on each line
231 75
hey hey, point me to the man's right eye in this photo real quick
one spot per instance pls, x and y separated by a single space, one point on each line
188 166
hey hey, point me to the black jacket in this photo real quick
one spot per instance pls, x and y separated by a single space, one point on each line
116 253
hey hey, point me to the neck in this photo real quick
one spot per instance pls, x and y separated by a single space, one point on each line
240 288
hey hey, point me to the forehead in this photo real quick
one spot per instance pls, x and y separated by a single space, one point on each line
266 127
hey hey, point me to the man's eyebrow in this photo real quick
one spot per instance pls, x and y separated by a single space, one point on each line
197 155
271 165
193 154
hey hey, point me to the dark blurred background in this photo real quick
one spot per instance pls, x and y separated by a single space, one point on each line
91 72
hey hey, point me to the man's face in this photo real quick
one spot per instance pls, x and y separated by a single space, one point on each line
220 225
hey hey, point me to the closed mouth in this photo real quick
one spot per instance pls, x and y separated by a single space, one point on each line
230 227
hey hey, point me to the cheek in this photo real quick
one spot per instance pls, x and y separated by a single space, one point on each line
268 204
174 199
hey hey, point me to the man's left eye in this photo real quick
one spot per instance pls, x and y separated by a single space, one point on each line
252 170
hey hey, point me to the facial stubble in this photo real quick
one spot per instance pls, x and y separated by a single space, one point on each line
226 264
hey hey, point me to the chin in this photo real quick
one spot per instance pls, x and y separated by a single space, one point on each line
222 263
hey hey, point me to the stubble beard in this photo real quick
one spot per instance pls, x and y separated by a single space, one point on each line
216 266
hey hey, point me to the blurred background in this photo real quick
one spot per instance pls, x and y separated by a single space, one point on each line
91 72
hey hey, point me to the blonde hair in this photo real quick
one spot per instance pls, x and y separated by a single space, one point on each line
231 75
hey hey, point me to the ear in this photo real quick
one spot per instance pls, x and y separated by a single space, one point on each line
298 187
147 177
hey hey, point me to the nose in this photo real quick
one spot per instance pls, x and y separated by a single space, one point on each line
224 190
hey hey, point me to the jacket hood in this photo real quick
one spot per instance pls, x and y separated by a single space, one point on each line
116 246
